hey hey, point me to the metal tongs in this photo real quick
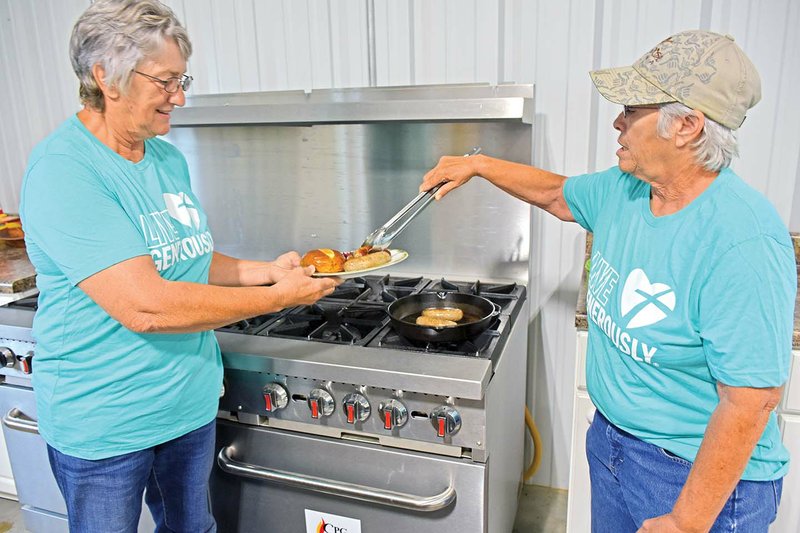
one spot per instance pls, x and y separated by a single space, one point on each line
381 238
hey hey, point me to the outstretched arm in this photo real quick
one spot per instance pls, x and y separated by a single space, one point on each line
531 184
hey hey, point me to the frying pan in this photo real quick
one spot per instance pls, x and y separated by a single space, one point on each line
478 315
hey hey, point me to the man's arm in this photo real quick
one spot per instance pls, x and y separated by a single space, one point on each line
533 185
733 431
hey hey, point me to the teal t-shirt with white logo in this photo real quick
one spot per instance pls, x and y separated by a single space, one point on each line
681 302
101 389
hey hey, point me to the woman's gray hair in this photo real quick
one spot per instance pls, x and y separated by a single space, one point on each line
716 147
118 34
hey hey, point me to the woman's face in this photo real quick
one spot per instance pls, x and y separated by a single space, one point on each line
642 152
147 105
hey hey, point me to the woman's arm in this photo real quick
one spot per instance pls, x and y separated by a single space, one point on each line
134 294
533 185
232 272
733 431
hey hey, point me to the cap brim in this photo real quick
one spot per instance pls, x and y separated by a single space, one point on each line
625 86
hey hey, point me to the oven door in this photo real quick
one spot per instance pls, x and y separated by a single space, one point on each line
280 481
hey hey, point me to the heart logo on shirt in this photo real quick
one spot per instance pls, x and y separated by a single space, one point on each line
181 208
647 302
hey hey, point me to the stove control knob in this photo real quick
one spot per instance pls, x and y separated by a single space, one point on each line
321 403
445 420
26 362
356 407
394 414
7 357
275 397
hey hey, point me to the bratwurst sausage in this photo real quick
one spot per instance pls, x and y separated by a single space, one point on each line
370 260
423 320
448 313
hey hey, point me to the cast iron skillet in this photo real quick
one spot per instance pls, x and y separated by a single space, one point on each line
478 315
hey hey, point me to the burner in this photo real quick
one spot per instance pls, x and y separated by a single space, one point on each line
330 321
250 326
480 346
477 287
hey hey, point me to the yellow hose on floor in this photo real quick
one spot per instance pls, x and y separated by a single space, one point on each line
537 446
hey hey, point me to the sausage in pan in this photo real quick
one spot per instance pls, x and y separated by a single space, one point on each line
423 320
448 313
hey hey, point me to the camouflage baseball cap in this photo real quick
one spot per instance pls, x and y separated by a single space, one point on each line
702 70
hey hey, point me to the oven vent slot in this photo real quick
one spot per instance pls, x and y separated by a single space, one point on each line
419 414
360 438
299 398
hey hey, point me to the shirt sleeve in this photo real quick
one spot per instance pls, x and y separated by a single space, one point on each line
746 313
587 194
75 220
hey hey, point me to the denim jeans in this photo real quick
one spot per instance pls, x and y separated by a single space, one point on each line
633 481
105 496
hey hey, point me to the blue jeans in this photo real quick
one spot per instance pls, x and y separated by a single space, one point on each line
633 481
105 495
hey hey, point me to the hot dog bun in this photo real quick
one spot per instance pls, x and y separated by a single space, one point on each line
324 260
447 313
423 320
370 260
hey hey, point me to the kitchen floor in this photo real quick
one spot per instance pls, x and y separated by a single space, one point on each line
541 510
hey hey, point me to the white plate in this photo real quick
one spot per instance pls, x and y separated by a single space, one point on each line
397 257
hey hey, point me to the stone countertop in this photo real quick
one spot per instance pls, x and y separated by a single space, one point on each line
16 271
581 320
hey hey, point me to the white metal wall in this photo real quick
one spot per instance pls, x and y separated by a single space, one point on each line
256 45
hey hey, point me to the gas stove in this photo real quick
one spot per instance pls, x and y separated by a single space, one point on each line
355 314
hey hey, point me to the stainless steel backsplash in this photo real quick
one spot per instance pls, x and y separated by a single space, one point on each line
272 188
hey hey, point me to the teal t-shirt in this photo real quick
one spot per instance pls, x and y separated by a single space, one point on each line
680 302
101 389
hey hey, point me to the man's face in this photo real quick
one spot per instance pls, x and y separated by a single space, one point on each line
643 152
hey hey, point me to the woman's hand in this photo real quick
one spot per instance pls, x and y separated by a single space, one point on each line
297 287
281 266
455 171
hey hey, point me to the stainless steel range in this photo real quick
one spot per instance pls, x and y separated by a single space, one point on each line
329 416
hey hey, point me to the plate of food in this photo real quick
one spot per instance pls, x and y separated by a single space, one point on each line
333 263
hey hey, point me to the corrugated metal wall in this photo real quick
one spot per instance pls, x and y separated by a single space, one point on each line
256 45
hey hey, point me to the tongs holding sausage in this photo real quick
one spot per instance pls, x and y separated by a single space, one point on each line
381 238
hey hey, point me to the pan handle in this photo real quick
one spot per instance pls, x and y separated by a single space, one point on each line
353 491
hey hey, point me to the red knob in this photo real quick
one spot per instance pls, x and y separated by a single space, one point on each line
314 408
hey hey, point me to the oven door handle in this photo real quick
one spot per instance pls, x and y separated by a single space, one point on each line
16 419
337 488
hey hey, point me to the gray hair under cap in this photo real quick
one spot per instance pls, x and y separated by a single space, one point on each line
118 35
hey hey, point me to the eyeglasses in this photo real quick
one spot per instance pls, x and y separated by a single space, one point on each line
171 84
629 108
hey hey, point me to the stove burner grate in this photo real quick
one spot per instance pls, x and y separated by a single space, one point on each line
250 326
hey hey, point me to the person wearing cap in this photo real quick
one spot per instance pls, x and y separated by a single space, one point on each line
691 294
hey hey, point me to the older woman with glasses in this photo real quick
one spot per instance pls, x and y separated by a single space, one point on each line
690 300
128 371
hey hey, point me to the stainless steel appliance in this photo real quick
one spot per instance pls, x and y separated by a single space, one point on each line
330 416
41 504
